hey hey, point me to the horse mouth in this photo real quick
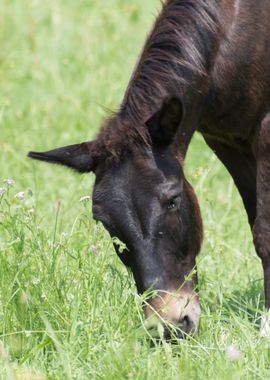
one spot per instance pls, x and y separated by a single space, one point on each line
171 333
172 317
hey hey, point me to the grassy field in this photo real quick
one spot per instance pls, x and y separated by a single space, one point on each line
68 308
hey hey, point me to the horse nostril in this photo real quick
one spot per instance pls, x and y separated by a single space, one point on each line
185 325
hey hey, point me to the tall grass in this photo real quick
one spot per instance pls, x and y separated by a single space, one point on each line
68 308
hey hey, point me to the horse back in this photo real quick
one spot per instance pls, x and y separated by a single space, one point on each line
239 91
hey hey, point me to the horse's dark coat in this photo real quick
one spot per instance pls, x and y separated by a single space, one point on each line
205 66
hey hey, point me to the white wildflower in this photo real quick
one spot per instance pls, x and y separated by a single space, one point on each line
2 191
232 353
94 248
87 198
9 182
20 196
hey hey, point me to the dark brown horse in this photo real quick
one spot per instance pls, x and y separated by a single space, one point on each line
206 67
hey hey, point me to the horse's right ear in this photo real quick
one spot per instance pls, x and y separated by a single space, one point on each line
164 123
77 157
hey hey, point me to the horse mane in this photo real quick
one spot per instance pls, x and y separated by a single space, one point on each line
117 138
176 59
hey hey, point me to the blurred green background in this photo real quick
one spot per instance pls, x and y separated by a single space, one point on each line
68 308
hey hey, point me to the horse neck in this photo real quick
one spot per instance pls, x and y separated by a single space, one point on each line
176 60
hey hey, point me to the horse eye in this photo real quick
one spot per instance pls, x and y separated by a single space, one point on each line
173 203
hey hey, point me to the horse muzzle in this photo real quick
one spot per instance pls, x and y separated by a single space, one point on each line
175 315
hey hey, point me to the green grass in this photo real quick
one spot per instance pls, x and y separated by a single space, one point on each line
68 308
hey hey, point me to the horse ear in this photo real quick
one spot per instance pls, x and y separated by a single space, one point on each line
164 124
77 157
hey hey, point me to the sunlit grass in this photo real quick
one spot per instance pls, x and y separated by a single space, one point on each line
68 308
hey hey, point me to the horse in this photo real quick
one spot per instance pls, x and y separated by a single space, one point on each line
205 67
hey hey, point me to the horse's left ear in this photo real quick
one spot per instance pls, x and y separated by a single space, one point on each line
164 124
77 157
